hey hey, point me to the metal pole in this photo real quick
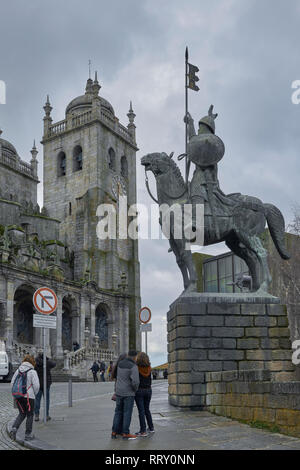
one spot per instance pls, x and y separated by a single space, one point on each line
45 376
70 392
146 343
186 111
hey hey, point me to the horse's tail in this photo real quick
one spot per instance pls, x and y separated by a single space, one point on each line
277 229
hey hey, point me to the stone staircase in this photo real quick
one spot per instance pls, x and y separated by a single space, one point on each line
65 376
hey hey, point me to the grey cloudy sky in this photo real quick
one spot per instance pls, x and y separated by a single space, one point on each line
248 55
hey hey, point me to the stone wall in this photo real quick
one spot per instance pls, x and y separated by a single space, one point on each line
213 337
17 186
253 397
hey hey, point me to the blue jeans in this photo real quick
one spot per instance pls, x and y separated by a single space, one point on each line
123 413
142 399
37 403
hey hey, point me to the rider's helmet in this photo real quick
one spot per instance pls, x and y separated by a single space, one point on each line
209 120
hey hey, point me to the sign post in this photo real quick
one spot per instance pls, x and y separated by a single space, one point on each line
145 317
45 302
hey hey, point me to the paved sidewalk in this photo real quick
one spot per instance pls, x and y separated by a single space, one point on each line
87 426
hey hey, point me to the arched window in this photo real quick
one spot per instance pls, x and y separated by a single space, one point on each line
61 164
112 159
124 167
77 158
23 331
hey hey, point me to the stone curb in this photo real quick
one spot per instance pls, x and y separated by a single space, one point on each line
35 444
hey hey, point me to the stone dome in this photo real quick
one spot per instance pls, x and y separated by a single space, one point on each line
8 147
84 103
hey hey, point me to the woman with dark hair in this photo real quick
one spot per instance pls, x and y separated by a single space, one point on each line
144 394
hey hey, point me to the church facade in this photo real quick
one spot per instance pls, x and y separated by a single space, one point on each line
89 160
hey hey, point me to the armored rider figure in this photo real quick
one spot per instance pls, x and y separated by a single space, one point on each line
205 150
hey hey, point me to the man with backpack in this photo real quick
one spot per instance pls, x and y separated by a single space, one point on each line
40 372
25 386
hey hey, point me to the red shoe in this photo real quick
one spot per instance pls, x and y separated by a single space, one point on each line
114 435
129 437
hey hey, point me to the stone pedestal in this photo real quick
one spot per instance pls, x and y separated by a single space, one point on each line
212 337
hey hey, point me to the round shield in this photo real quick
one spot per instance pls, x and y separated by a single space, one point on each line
205 149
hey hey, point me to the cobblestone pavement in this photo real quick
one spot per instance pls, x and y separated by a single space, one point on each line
58 397
7 412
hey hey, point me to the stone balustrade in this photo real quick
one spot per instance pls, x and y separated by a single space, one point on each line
84 118
81 119
89 353
20 350
19 165
57 128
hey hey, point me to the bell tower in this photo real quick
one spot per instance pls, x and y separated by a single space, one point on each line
86 156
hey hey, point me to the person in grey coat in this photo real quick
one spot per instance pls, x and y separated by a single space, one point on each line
127 384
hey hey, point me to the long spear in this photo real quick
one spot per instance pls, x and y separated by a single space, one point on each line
190 82
187 162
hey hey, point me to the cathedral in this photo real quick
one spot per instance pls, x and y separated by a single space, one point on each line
89 158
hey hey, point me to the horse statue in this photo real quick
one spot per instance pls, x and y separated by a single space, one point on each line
236 219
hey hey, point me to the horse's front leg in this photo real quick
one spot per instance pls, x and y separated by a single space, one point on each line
180 261
188 259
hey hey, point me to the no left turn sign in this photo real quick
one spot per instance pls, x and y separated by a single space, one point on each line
45 300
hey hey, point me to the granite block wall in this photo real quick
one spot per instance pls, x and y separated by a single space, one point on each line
214 337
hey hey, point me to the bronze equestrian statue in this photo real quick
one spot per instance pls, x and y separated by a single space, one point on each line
236 219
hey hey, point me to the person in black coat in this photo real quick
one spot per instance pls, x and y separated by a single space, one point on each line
40 372
95 369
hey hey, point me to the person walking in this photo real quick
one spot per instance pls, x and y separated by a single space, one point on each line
39 367
95 368
109 370
144 394
127 383
102 371
75 346
25 404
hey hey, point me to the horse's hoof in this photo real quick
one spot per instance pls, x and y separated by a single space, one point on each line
191 288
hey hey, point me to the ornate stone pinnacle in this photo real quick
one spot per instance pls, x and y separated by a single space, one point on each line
34 151
47 108
96 86
131 115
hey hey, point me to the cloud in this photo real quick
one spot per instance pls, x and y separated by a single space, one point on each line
247 53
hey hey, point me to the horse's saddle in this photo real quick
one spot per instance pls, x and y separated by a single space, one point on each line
218 204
